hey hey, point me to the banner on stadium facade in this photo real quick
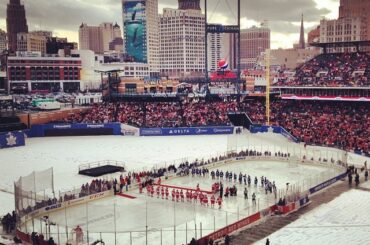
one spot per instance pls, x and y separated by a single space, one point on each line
186 131
12 139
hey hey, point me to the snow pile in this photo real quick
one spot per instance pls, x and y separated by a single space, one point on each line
345 220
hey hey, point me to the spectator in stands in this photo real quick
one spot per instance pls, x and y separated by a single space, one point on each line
332 70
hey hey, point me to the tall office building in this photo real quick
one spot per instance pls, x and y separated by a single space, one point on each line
357 9
107 34
3 41
16 22
117 31
214 50
90 38
98 38
189 4
341 30
182 42
253 41
140 32
30 42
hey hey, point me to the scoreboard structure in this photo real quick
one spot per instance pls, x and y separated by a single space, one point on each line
217 28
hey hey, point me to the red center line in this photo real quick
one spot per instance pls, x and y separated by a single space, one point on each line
125 195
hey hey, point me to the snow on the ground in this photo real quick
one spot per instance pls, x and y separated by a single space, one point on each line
365 184
65 154
6 203
345 220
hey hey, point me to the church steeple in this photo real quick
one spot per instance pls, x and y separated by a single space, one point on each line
302 43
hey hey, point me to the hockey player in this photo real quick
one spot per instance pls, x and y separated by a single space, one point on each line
262 181
167 193
254 198
182 196
255 181
219 202
245 193
213 200
177 195
195 197
162 192
205 200
158 191
173 195
249 181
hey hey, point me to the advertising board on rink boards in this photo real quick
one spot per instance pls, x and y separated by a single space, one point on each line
186 131
70 203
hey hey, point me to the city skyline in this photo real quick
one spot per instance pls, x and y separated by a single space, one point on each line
46 15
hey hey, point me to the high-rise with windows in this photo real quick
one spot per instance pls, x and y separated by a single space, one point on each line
3 41
140 32
16 22
182 49
253 41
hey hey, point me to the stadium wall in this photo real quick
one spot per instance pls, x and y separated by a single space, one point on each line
78 129
186 131
12 139
274 129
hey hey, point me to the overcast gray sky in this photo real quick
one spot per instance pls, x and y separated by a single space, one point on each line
63 17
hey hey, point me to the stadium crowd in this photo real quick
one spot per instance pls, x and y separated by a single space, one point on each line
164 114
335 124
339 124
332 70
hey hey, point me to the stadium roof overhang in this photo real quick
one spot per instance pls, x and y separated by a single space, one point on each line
349 44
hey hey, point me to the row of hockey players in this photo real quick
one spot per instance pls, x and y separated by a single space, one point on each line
179 195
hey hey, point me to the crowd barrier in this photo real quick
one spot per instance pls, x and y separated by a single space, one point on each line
12 139
186 131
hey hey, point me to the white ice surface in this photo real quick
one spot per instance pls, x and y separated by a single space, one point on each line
6 203
131 214
345 220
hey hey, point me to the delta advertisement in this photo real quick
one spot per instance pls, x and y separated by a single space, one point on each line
135 30
185 131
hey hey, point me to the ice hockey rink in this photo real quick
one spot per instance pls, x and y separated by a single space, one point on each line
132 216
160 217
